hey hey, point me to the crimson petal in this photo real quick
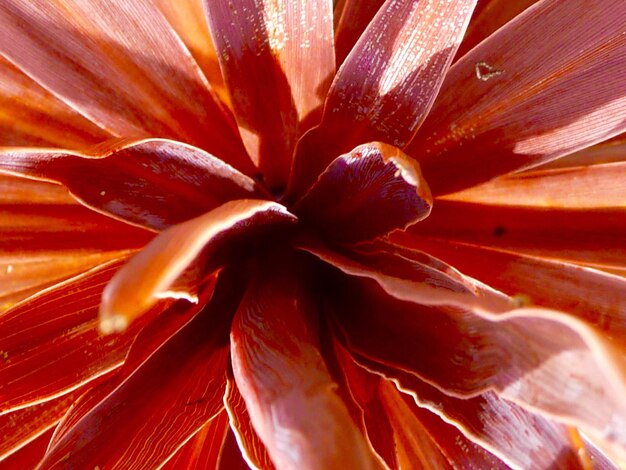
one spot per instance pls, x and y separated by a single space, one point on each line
277 59
366 193
284 381
51 343
202 451
518 437
152 183
160 405
518 100
592 296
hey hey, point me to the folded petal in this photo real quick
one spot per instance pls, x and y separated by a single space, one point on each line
607 151
541 359
282 377
277 59
33 117
152 272
365 194
518 99
152 183
518 437
252 449
159 405
50 342
594 297
204 448
122 66
387 84
587 236
583 187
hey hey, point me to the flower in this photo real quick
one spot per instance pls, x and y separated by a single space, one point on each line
341 248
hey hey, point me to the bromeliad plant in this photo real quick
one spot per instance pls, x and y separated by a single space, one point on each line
266 233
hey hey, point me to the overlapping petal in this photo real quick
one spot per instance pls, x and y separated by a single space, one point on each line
135 181
151 274
46 237
51 345
520 438
365 194
29 455
283 379
541 359
160 404
33 117
186 17
122 66
592 296
277 59
518 100
252 449
386 86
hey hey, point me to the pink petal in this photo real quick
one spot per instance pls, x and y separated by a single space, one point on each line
33 117
252 449
277 59
542 359
365 194
590 295
519 99
151 274
283 379
135 182
386 86
592 237
583 187
203 449
518 437
161 403
122 66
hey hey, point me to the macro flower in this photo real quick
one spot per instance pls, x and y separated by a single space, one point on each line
288 234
